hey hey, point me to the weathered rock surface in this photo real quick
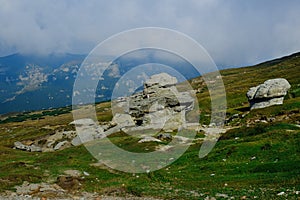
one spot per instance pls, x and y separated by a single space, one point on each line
31 148
161 105
61 145
87 130
123 120
149 139
271 92
163 80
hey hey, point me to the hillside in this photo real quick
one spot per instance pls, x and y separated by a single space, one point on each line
258 157
237 81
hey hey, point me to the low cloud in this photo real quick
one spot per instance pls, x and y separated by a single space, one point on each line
233 32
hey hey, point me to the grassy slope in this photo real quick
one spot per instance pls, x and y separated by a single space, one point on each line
260 160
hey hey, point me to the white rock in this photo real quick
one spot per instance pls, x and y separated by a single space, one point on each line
281 193
86 173
222 195
60 145
149 139
123 120
73 173
162 79
271 92
83 122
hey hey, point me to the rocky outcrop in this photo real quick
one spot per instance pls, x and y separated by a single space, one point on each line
160 105
271 92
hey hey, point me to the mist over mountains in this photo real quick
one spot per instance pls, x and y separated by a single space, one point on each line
35 82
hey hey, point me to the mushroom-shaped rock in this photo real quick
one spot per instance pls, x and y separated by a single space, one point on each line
271 92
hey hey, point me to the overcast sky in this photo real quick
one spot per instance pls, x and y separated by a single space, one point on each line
234 32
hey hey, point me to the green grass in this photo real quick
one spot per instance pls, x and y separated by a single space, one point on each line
36 115
275 167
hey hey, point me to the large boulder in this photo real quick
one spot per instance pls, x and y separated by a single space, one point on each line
123 120
271 92
87 130
162 79
160 105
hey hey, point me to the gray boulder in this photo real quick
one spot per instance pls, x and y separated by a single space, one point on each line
60 145
83 122
31 148
271 92
162 79
123 120
160 105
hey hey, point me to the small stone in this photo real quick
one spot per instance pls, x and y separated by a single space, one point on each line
34 148
86 173
73 173
60 145
280 193
222 195
149 139
83 122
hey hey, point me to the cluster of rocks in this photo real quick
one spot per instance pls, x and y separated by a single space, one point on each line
271 92
88 130
59 140
36 189
67 186
24 147
161 105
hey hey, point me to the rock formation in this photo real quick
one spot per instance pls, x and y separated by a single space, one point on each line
271 92
160 105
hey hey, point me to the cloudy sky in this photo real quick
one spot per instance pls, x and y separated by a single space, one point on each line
234 32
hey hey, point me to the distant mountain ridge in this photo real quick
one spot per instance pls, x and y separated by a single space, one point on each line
33 82
30 82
